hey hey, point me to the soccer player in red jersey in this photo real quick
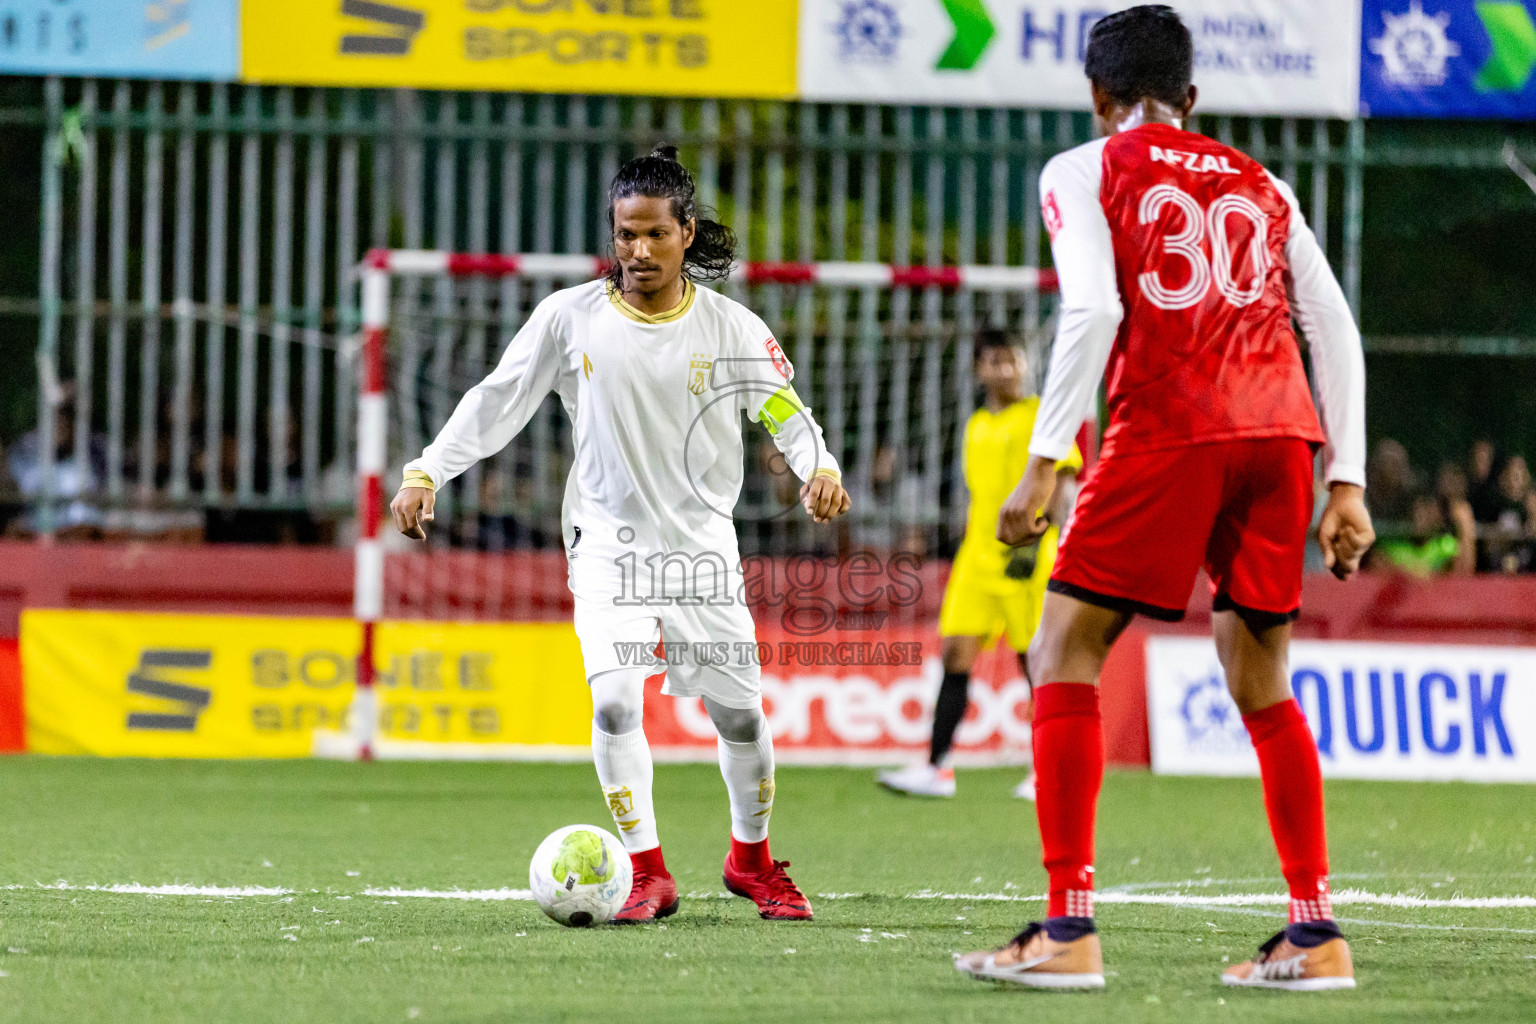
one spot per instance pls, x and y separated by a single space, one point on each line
1181 264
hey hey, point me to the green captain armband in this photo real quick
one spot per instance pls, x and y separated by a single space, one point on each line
781 405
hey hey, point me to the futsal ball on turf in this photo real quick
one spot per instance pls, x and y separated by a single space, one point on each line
580 875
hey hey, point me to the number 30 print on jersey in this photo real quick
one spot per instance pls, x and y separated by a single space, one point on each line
1176 256
1174 252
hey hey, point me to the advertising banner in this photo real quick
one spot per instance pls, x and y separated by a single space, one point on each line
1448 58
194 39
1298 57
860 698
1377 711
122 684
144 685
648 47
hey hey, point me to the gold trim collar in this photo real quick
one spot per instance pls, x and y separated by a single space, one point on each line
675 313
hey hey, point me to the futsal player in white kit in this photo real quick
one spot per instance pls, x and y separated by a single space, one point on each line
655 374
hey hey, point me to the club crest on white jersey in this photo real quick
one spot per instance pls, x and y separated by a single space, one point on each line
698 372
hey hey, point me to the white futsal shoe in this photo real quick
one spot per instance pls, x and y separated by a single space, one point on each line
1026 789
919 780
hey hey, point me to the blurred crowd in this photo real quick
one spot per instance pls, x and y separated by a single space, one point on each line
1476 515
85 511
1473 516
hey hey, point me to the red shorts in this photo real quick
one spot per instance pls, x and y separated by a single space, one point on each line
1145 524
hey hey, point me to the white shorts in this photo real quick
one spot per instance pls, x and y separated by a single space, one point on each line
711 650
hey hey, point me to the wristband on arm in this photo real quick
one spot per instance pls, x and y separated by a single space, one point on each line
417 478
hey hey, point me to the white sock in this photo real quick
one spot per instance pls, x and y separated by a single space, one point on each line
748 772
625 771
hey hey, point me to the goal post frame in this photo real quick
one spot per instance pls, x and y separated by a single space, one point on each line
360 737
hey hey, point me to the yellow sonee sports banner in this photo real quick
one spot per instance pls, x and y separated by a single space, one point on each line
645 47
134 685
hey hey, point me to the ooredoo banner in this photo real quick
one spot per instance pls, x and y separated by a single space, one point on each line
151 685
1298 57
646 47
861 698
1377 711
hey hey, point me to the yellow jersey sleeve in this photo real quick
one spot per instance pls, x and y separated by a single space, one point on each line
1073 463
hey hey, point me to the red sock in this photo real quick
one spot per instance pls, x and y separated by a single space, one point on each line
1293 798
649 862
750 856
1069 769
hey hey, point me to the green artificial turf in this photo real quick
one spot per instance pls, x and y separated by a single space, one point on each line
330 953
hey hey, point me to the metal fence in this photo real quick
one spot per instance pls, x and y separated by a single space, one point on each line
198 303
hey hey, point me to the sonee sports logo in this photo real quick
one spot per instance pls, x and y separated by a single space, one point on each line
188 702
398 27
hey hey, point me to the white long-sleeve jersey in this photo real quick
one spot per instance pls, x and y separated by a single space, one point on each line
1074 194
655 405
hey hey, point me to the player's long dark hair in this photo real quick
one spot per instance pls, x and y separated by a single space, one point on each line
658 175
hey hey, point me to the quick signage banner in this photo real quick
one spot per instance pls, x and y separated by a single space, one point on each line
1294 57
194 39
1377 710
1449 58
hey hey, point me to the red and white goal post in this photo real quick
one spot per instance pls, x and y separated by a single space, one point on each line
361 738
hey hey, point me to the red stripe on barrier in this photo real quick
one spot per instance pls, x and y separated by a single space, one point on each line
13 719
925 277
781 273
373 360
377 259
487 263
1047 281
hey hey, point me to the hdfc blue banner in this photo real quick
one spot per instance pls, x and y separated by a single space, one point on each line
1377 711
196 39
1448 58
1291 57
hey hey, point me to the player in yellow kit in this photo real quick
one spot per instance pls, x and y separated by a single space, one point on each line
993 590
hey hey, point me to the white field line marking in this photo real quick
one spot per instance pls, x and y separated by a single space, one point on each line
1343 897
133 889
1261 899
489 895
1365 923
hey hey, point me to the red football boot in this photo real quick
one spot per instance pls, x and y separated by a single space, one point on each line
653 895
765 882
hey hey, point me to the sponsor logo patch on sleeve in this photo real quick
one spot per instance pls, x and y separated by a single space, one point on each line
780 362
1052 212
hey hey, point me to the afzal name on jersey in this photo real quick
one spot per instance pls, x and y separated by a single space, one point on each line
1204 163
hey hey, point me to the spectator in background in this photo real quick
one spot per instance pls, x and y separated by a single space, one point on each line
1510 546
884 510
152 516
77 476
497 526
1390 484
1483 482
1456 512
1434 545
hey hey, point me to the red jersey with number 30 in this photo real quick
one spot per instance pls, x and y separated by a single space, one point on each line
1205 350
